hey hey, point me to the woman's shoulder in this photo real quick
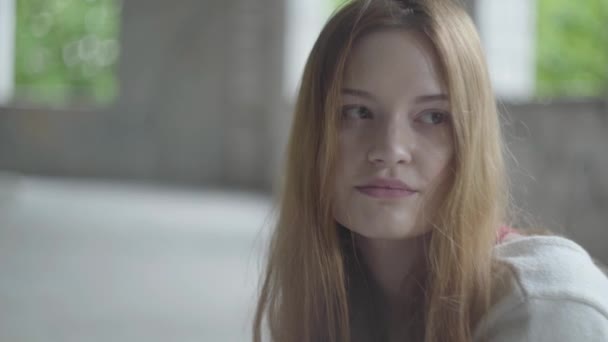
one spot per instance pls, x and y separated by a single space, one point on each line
553 266
546 281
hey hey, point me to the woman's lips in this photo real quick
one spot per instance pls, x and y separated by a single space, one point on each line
384 192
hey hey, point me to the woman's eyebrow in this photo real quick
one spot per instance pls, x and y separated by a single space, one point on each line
418 99
431 98
358 92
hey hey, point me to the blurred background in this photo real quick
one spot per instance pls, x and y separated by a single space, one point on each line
140 143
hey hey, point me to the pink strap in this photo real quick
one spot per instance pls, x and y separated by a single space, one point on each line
502 233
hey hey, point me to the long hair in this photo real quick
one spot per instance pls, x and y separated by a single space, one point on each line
306 287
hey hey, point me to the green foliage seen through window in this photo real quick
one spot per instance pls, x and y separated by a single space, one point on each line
572 48
66 51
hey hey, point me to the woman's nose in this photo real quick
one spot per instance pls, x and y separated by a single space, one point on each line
393 143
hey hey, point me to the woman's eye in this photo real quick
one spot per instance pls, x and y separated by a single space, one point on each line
433 117
356 112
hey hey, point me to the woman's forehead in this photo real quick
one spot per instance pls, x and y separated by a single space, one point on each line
393 58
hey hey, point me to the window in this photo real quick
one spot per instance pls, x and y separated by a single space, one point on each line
572 48
65 52
546 48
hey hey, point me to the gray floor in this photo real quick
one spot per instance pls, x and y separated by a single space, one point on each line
83 261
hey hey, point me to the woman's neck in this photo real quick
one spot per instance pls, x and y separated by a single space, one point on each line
398 268
395 265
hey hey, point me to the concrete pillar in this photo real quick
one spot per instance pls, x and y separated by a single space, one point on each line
253 95
7 50
508 31
201 87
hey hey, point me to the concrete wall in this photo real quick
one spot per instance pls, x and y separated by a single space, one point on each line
559 179
200 95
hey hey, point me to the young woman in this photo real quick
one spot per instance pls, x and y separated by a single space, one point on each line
391 222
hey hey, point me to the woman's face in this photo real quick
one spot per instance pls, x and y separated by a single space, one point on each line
395 137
